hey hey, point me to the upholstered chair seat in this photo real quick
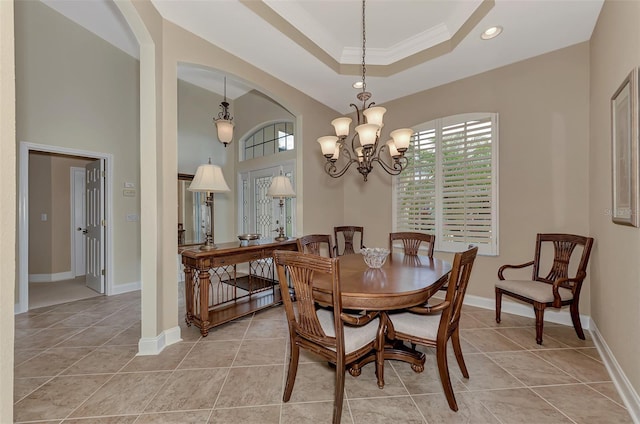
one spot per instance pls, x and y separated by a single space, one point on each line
422 326
354 337
534 290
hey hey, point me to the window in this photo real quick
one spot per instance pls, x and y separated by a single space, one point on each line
450 187
268 140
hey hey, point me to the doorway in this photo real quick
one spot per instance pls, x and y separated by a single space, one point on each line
64 196
260 213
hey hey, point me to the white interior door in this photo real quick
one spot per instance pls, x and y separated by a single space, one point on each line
95 225
78 223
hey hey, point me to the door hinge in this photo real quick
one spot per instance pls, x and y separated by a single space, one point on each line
104 222
102 272
103 174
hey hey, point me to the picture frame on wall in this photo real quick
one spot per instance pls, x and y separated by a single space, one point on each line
624 151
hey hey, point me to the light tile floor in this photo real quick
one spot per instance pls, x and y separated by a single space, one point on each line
76 363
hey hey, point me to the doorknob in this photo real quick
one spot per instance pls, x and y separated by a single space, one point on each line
83 231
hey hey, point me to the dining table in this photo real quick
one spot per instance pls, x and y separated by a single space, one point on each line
402 282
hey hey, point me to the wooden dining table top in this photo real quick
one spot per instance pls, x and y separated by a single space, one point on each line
402 282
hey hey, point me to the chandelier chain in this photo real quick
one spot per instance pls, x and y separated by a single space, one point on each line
225 89
369 151
364 41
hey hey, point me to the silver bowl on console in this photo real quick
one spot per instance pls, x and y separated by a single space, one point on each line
246 238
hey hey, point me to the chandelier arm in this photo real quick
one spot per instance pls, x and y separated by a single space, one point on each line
391 170
398 165
353 143
358 113
346 152
330 168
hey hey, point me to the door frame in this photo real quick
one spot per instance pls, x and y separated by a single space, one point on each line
75 254
23 214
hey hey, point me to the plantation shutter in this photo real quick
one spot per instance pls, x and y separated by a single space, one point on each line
416 187
449 187
467 184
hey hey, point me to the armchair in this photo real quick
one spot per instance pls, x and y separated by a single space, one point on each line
557 289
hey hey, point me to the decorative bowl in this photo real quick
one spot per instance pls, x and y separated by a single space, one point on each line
374 257
249 236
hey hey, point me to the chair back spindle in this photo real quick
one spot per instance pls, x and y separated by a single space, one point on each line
313 244
411 242
348 234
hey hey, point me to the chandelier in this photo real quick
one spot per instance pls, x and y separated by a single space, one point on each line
368 149
223 122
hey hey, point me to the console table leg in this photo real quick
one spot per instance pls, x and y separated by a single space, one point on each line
203 276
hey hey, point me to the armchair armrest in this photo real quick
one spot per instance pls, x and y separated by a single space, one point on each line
504 267
560 282
358 320
428 309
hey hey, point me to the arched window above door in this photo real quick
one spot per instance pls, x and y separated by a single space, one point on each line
268 140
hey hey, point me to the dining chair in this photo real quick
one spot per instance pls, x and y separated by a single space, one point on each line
338 337
557 289
411 242
314 243
348 232
434 325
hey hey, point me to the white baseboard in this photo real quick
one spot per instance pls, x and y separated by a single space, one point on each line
525 310
51 278
155 345
623 385
124 288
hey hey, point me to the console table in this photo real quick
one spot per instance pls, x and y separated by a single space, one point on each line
216 293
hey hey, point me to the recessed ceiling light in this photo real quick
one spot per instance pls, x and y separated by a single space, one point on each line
357 84
492 32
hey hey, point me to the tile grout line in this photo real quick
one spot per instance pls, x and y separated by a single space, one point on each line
424 419
226 377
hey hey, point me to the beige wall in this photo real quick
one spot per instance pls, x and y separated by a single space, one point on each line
543 153
254 109
197 139
39 203
615 269
50 194
76 91
7 209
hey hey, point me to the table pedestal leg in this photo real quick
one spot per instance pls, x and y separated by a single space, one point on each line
396 351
